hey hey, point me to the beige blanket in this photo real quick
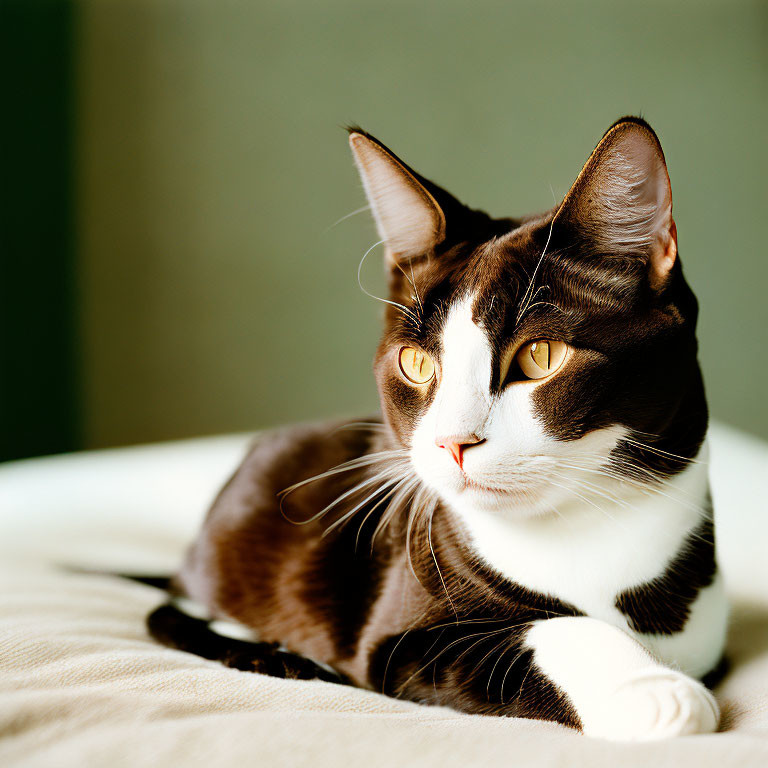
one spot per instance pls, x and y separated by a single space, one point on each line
82 684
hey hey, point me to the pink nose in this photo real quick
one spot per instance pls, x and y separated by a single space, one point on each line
457 444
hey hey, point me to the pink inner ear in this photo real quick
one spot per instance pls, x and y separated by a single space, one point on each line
408 218
663 256
622 200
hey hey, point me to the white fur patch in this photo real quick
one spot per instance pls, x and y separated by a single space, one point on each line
233 630
594 551
191 608
618 690
462 404
697 649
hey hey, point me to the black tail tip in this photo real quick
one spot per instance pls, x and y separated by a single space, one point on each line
158 582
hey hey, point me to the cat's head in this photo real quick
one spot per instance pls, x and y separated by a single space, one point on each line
521 355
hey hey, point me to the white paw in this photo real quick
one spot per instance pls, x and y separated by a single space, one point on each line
653 704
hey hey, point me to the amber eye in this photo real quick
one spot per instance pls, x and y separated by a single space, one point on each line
417 366
538 359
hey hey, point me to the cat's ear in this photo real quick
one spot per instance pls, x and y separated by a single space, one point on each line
408 217
621 202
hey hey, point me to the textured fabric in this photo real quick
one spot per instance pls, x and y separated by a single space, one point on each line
81 683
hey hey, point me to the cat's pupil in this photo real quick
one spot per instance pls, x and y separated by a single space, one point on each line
541 354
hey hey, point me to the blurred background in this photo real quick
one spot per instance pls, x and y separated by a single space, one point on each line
171 261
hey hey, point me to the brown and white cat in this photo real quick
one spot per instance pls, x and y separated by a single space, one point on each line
527 530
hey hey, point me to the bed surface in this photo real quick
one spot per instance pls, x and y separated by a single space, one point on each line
81 683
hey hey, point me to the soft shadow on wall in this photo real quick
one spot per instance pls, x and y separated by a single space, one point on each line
39 361
214 292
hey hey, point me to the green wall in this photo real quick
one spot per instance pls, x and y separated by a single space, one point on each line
215 294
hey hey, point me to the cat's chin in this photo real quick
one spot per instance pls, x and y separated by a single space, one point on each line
467 495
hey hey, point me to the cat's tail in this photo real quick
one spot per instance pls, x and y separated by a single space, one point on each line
158 582
187 626
184 625
163 582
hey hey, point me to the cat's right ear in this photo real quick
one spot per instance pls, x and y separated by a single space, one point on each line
408 218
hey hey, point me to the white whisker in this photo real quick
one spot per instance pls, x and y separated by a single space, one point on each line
347 216
401 307
362 461
526 300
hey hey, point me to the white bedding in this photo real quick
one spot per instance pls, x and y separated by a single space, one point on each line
81 683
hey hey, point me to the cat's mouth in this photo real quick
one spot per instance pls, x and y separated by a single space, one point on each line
523 497
469 484
486 494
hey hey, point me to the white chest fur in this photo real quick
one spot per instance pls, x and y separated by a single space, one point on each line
594 550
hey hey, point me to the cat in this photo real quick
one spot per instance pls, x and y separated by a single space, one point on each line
526 530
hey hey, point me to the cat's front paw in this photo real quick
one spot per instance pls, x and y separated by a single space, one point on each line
654 704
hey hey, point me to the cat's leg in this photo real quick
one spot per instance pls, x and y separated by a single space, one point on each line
577 671
618 690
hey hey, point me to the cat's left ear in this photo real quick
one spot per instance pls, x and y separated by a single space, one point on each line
621 202
408 217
